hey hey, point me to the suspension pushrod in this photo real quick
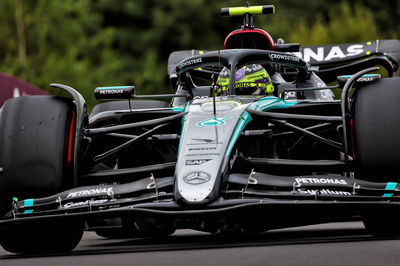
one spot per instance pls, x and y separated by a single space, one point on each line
307 133
111 129
284 116
319 126
127 144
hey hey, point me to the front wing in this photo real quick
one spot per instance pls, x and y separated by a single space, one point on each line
281 201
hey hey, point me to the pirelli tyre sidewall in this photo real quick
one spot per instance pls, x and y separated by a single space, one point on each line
36 147
376 130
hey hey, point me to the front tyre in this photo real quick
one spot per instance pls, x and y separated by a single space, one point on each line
36 147
376 144
37 135
382 223
42 238
376 131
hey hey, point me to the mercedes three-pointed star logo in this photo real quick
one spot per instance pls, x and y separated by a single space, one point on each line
196 178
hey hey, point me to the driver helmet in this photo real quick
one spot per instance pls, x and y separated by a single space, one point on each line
250 80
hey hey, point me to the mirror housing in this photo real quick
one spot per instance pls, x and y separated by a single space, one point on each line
114 92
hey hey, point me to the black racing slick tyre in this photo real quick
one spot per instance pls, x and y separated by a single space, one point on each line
42 238
382 223
376 130
36 147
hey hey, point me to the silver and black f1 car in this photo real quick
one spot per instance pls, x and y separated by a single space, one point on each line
214 162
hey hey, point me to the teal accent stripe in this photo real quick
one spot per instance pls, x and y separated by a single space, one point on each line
365 75
113 88
270 102
181 136
178 109
28 211
28 202
185 108
244 119
390 186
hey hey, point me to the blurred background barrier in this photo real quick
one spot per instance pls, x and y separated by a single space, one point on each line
13 87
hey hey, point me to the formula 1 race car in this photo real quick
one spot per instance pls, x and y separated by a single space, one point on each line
212 159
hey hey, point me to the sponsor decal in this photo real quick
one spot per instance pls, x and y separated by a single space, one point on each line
196 178
205 142
365 79
253 68
112 91
323 94
83 203
212 122
287 95
321 54
190 62
89 192
285 57
245 84
305 180
197 162
203 154
202 149
324 192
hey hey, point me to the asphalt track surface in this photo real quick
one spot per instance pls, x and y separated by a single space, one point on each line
328 244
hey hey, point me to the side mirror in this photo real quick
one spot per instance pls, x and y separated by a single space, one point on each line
360 81
114 92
